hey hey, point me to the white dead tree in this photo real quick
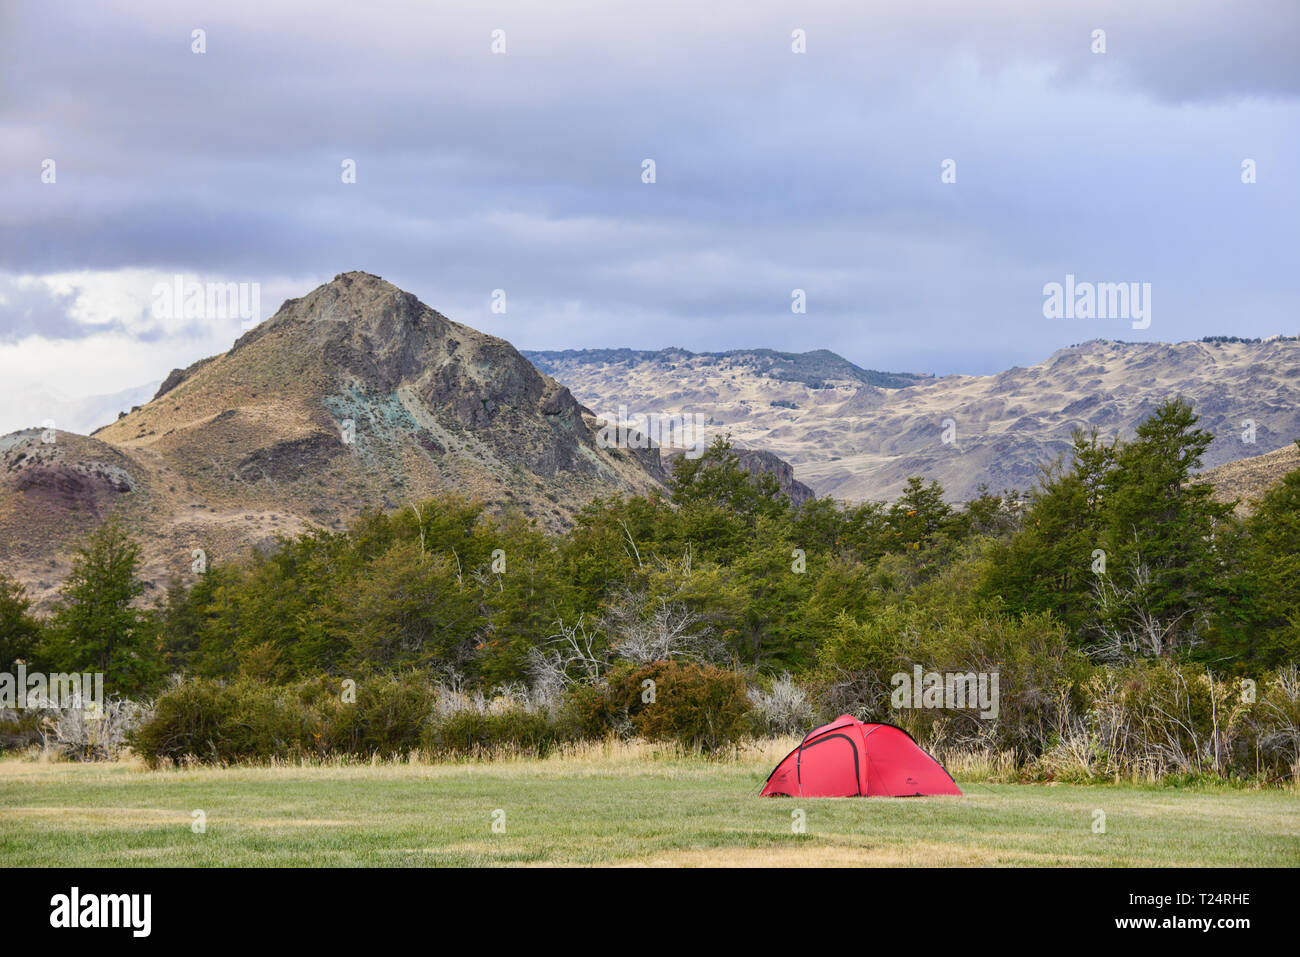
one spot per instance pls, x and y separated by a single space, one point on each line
665 630
633 628
1280 729
1129 628
95 732
571 654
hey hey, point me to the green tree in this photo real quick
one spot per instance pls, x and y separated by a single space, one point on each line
716 479
409 608
775 584
273 609
19 630
522 597
919 515
1164 560
1048 564
185 618
1263 620
96 626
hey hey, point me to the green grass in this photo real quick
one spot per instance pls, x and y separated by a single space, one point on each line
633 807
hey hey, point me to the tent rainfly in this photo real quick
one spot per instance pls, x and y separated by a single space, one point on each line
848 758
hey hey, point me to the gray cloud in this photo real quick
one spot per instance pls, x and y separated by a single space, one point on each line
775 171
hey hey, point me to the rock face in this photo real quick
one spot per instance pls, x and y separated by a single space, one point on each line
758 462
762 462
55 487
356 396
61 476
856 439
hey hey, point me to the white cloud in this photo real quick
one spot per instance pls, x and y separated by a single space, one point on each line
106 340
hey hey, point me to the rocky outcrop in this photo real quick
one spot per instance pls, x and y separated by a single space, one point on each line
759 462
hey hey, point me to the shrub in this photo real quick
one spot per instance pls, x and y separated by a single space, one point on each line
1269 729
1058 718
388 717
700 706
21 728
1155 720
587 712
473 732
206 720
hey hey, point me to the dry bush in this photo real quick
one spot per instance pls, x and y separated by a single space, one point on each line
784 709
95 733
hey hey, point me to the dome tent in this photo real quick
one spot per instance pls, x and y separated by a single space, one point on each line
848 758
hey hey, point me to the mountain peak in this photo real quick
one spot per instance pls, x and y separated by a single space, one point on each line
360 349
355 396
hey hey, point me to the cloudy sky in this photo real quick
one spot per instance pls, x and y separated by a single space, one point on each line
523 171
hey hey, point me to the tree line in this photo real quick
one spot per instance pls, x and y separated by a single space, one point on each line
1120 545
1118 558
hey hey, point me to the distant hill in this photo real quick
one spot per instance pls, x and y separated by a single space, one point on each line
856 440
1246 480
814 369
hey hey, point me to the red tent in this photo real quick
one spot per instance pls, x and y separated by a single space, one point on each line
848 758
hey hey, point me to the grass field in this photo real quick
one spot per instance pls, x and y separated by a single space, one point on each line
612 805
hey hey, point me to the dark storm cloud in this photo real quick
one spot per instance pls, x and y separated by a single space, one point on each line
775 171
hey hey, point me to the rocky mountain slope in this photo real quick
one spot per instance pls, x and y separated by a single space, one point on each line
356 396
857 439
